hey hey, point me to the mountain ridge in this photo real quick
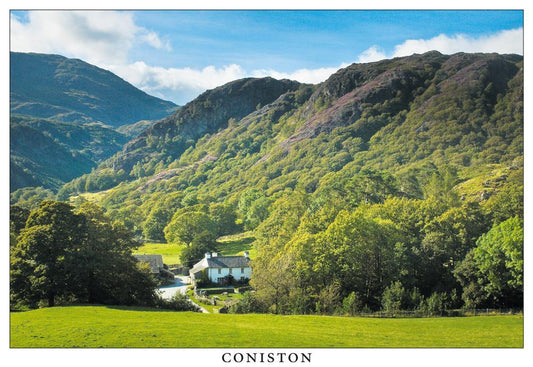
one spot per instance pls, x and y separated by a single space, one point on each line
71 90
361 107
208 113
63 112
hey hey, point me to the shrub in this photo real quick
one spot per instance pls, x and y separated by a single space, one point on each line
413 299
328 300
178 302
218 291
391 301
435 304
243 289
351 304
247 304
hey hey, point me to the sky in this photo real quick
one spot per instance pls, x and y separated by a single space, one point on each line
176 55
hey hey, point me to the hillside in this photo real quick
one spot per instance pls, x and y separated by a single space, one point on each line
49 153
207 114
62 115
55 87
132 130
408 115
384 187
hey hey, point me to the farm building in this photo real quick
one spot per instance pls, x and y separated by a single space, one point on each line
222 269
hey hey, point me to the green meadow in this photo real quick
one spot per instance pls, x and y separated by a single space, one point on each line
117 327
228 245
170 252
235 245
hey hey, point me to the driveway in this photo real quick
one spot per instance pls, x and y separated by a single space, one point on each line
180 285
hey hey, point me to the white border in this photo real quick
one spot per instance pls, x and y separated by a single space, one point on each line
212 357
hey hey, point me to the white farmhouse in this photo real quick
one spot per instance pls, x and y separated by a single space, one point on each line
220 269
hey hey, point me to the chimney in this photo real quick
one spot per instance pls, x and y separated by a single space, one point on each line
246 254
207 255
214 254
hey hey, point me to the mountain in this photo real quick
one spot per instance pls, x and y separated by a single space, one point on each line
70 90
408 115
62 114
207 114
49 153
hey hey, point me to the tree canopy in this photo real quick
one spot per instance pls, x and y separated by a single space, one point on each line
76 255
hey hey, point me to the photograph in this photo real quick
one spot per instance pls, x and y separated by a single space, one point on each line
266 184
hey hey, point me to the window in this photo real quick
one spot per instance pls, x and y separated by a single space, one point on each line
243 279
242 270
230 269
219 270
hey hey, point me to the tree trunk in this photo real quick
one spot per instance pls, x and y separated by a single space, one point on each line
51 299
90 289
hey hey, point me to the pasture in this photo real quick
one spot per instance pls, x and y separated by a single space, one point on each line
170 252
118 327
235 245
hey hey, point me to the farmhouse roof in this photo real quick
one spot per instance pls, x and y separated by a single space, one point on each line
221 262
155 261
228 262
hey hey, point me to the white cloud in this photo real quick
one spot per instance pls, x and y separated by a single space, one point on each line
504 42
372 54
179 85
184 84
97 37
312 76
153 40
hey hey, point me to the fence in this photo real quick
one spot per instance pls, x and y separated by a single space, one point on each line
443 313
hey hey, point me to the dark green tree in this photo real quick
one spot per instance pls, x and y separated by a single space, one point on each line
102 268
43 247
447 239
17 218
360 253
186 227
224 217
194 253
76 256
494 269
155 223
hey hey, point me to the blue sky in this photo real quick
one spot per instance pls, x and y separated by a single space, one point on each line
296 39
176 55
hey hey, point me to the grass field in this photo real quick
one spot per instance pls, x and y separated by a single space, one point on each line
229 245
237 244
171 253
100 326
92 196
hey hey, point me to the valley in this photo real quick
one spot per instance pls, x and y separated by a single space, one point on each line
64 113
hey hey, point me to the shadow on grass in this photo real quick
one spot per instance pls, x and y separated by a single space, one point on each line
139 308
112 307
